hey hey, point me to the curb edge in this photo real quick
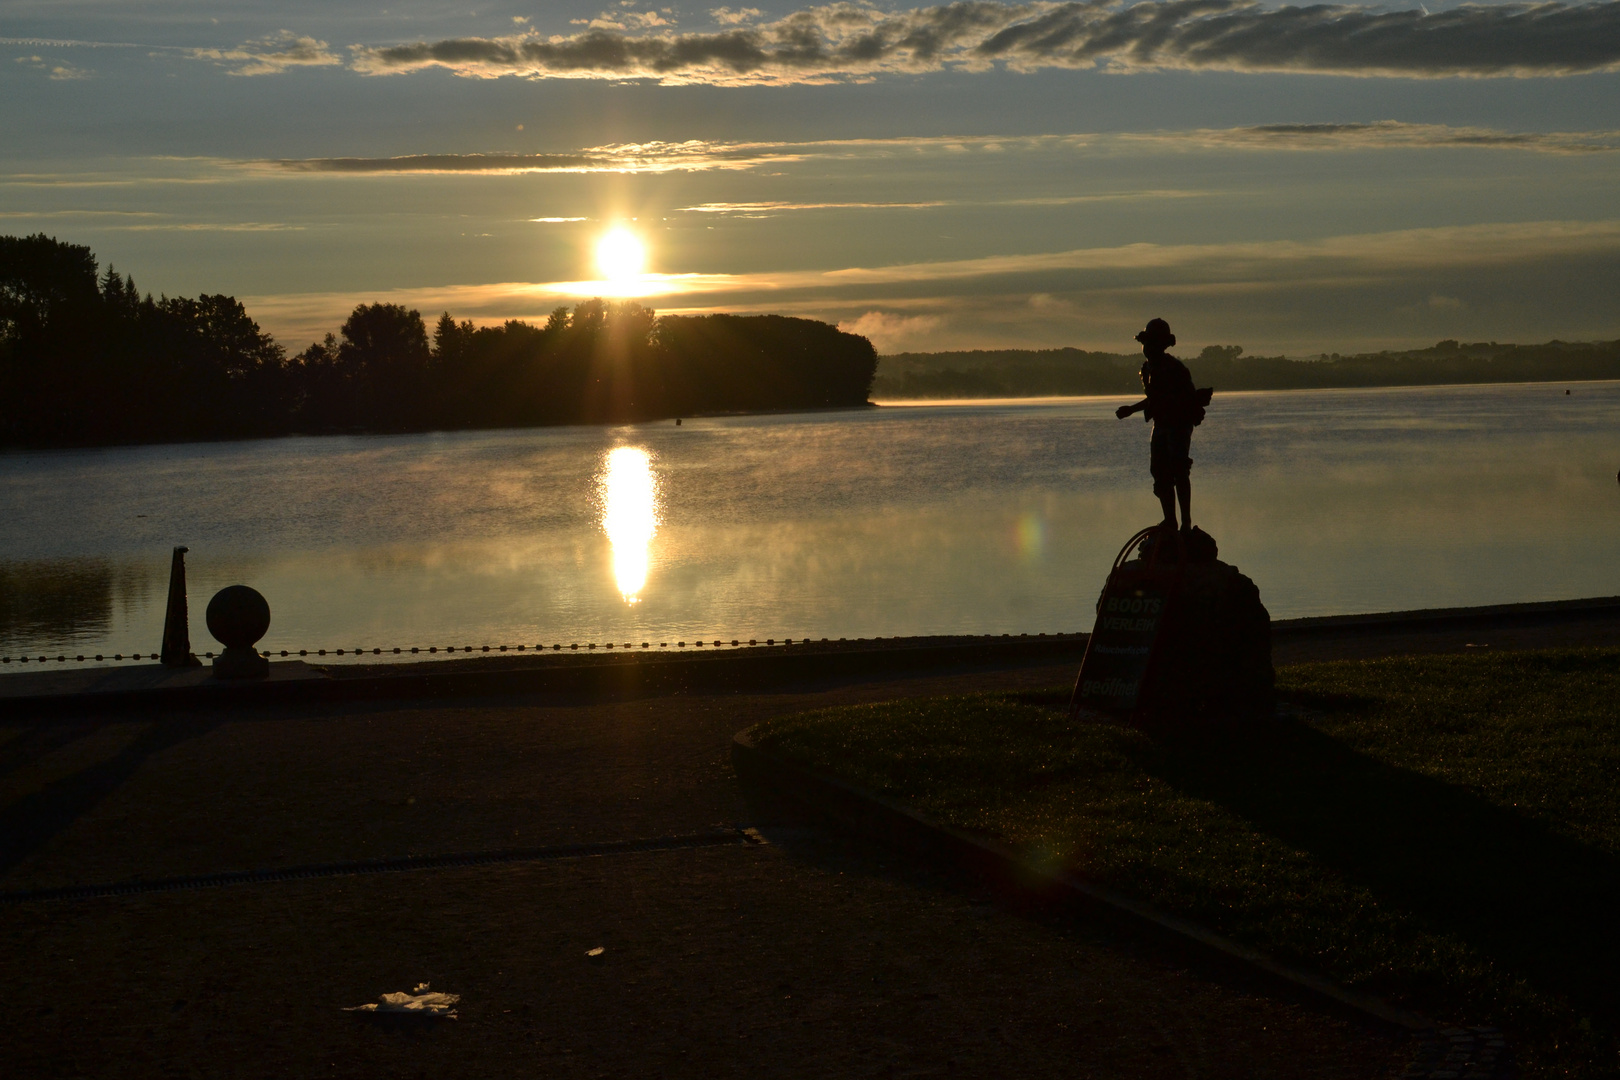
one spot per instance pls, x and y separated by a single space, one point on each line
774 779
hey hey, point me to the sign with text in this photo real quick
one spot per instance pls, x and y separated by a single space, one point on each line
1129 618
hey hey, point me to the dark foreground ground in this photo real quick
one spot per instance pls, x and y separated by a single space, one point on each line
804 956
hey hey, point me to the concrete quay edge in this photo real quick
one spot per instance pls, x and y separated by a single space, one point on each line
640 674
779 787
762 668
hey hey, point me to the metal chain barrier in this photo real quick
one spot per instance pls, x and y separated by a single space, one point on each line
735 643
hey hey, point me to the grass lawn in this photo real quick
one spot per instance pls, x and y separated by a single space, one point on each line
1440 830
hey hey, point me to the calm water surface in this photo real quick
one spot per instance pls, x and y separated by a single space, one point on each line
997 517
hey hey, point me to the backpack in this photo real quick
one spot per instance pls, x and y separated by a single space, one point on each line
1201 399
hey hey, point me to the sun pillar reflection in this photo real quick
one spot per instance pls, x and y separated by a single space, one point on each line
629 496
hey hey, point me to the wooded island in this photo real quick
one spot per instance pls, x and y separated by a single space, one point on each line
86 360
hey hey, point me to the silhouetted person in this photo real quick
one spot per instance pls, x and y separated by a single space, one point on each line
1175 407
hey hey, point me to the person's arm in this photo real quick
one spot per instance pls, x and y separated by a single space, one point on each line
1126 410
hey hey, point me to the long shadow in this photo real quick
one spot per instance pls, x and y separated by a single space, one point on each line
1538 904
38 741
30 822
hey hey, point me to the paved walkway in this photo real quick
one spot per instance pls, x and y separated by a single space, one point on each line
800 957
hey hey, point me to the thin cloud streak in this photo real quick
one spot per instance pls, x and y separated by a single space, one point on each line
1403 249
1382 135
71 43
759 209
847 41
698 155
503 164
770 209
41 215
210 226
651 157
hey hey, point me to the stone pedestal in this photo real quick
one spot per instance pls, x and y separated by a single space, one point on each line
1214 658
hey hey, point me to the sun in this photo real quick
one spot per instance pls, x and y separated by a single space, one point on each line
620 255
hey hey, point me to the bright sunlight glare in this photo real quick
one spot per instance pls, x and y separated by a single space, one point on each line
620 255
629 496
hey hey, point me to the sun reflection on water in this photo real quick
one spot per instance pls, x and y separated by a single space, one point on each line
628 492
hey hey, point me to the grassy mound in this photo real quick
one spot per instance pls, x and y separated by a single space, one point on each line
1440 830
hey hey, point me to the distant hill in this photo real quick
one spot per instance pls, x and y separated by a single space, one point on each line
1053 372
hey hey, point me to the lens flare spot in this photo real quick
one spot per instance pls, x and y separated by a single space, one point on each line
1031 536
627 489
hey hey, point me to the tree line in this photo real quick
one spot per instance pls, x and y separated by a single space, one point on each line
86 359
1049 372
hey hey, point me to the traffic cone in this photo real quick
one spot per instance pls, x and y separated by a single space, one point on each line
176 631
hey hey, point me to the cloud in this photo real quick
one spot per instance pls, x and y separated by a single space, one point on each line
273 55
624 20
55 72
734 16
842 41
1383 134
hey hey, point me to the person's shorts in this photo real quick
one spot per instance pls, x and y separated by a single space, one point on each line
1168 458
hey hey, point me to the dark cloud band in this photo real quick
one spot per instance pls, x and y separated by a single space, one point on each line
840 41
441 163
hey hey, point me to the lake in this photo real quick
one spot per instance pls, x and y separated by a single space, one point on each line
916 518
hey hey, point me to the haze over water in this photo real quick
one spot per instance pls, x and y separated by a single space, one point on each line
973 518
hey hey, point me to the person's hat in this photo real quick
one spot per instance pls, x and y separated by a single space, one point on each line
1157 333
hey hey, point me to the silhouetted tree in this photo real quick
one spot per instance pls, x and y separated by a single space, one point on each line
385 356
88 359
43 282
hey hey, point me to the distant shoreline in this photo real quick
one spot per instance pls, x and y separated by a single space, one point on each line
1033 399
1028 373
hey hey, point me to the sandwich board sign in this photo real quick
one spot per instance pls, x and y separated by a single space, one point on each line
1130 622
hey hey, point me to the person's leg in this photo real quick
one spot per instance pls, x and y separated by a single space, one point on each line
1167 499
1161 463
1179 451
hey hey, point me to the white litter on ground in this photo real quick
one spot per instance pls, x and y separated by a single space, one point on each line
417 1003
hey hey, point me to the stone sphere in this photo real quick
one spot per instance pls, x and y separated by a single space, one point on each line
238 616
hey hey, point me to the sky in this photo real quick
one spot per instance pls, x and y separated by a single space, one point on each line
1325 178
